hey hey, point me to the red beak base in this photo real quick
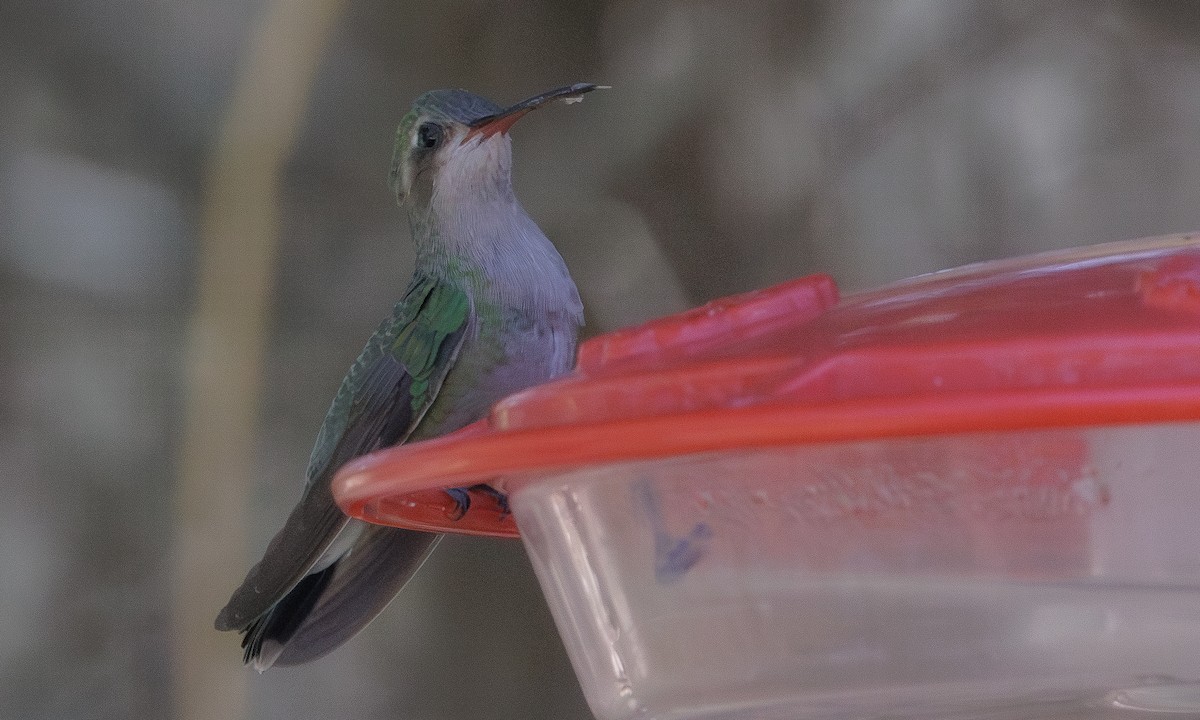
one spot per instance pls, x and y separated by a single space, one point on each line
498 124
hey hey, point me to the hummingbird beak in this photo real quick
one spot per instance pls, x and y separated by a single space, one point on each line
485 127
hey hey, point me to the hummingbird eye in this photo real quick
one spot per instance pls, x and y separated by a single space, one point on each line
429 135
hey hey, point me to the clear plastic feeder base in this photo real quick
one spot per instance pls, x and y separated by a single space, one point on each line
1034 574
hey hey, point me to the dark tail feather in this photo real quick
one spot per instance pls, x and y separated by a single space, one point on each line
329 607
281 622
364 581
310 528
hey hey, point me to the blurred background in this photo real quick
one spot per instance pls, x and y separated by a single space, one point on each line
196 236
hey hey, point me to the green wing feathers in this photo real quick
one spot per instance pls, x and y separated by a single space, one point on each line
382 399
422 343
396 377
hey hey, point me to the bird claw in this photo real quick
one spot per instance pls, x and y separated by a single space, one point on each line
462 502
462 499
500 497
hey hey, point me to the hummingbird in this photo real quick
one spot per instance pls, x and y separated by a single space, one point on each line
490 310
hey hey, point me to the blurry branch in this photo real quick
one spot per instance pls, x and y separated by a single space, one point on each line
227 337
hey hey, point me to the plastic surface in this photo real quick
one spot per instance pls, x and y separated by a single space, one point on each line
1028 574
969 495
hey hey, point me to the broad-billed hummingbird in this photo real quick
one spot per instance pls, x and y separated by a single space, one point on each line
490 310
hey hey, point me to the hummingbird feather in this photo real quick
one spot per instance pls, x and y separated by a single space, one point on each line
358 586
381 401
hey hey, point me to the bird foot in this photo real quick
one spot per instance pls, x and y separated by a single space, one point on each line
462 502
462 499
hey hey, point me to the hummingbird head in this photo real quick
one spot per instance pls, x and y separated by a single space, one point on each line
454 143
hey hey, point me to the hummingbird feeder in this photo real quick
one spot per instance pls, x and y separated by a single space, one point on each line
974 493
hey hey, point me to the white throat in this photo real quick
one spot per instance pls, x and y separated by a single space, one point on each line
476 221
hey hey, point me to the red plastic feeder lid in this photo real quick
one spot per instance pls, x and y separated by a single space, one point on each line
1108 334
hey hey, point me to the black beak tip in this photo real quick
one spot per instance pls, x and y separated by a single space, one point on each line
567 93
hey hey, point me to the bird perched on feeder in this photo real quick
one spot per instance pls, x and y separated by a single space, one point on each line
490 310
